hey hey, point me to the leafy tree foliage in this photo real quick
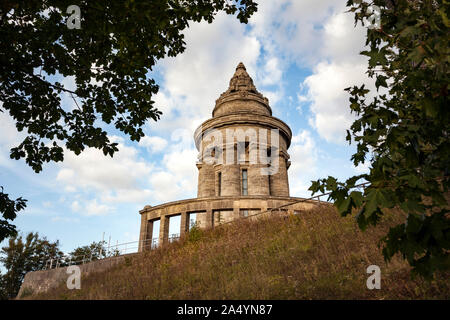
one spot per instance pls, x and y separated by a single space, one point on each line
9 209
92 252
109 59
195 233
3 293
404 132
23 255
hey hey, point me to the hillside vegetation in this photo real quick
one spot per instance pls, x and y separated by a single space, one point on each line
314 255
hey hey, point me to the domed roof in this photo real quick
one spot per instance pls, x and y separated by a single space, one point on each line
241 96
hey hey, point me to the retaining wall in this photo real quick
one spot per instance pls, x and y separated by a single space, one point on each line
41 281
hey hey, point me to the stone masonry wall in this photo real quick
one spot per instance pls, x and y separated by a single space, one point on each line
41 281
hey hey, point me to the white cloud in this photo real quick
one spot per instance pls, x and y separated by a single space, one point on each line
165 186
98 182
93 170
76 207
340 66
154 143
127 178
329 102
91 208
273 96
303 152
342 41
94 208
66 174
272 72
291 29
9 137
362 167
177 179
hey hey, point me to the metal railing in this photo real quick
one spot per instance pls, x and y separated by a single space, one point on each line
111 251
174 237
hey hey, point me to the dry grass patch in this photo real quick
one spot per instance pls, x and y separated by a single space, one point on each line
315 255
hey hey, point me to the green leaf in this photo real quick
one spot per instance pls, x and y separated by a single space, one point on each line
357 198
343 206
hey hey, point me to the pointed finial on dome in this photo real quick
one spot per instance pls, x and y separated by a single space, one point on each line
240 66
241 88
241 81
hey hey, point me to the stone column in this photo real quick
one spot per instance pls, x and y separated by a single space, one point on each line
231 180
144 232
184 224
279 184
206 180
236 211
149 238
258 184
263 206
204 219
208 219
164 230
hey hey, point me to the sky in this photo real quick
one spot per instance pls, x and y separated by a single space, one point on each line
300 54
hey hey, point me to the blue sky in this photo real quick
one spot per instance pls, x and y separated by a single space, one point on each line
300 54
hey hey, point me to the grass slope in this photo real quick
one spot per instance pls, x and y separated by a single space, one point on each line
315 255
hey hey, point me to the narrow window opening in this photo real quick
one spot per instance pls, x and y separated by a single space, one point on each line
269 185
219 181
192 220
244 182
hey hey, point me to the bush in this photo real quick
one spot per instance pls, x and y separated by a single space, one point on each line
195 233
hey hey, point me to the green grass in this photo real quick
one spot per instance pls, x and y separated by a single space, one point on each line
316 255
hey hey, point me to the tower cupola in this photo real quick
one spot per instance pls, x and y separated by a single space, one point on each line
241 96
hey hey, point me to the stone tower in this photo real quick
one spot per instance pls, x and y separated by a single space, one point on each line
242 168
242 108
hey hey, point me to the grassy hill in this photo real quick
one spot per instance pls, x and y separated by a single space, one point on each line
315 255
